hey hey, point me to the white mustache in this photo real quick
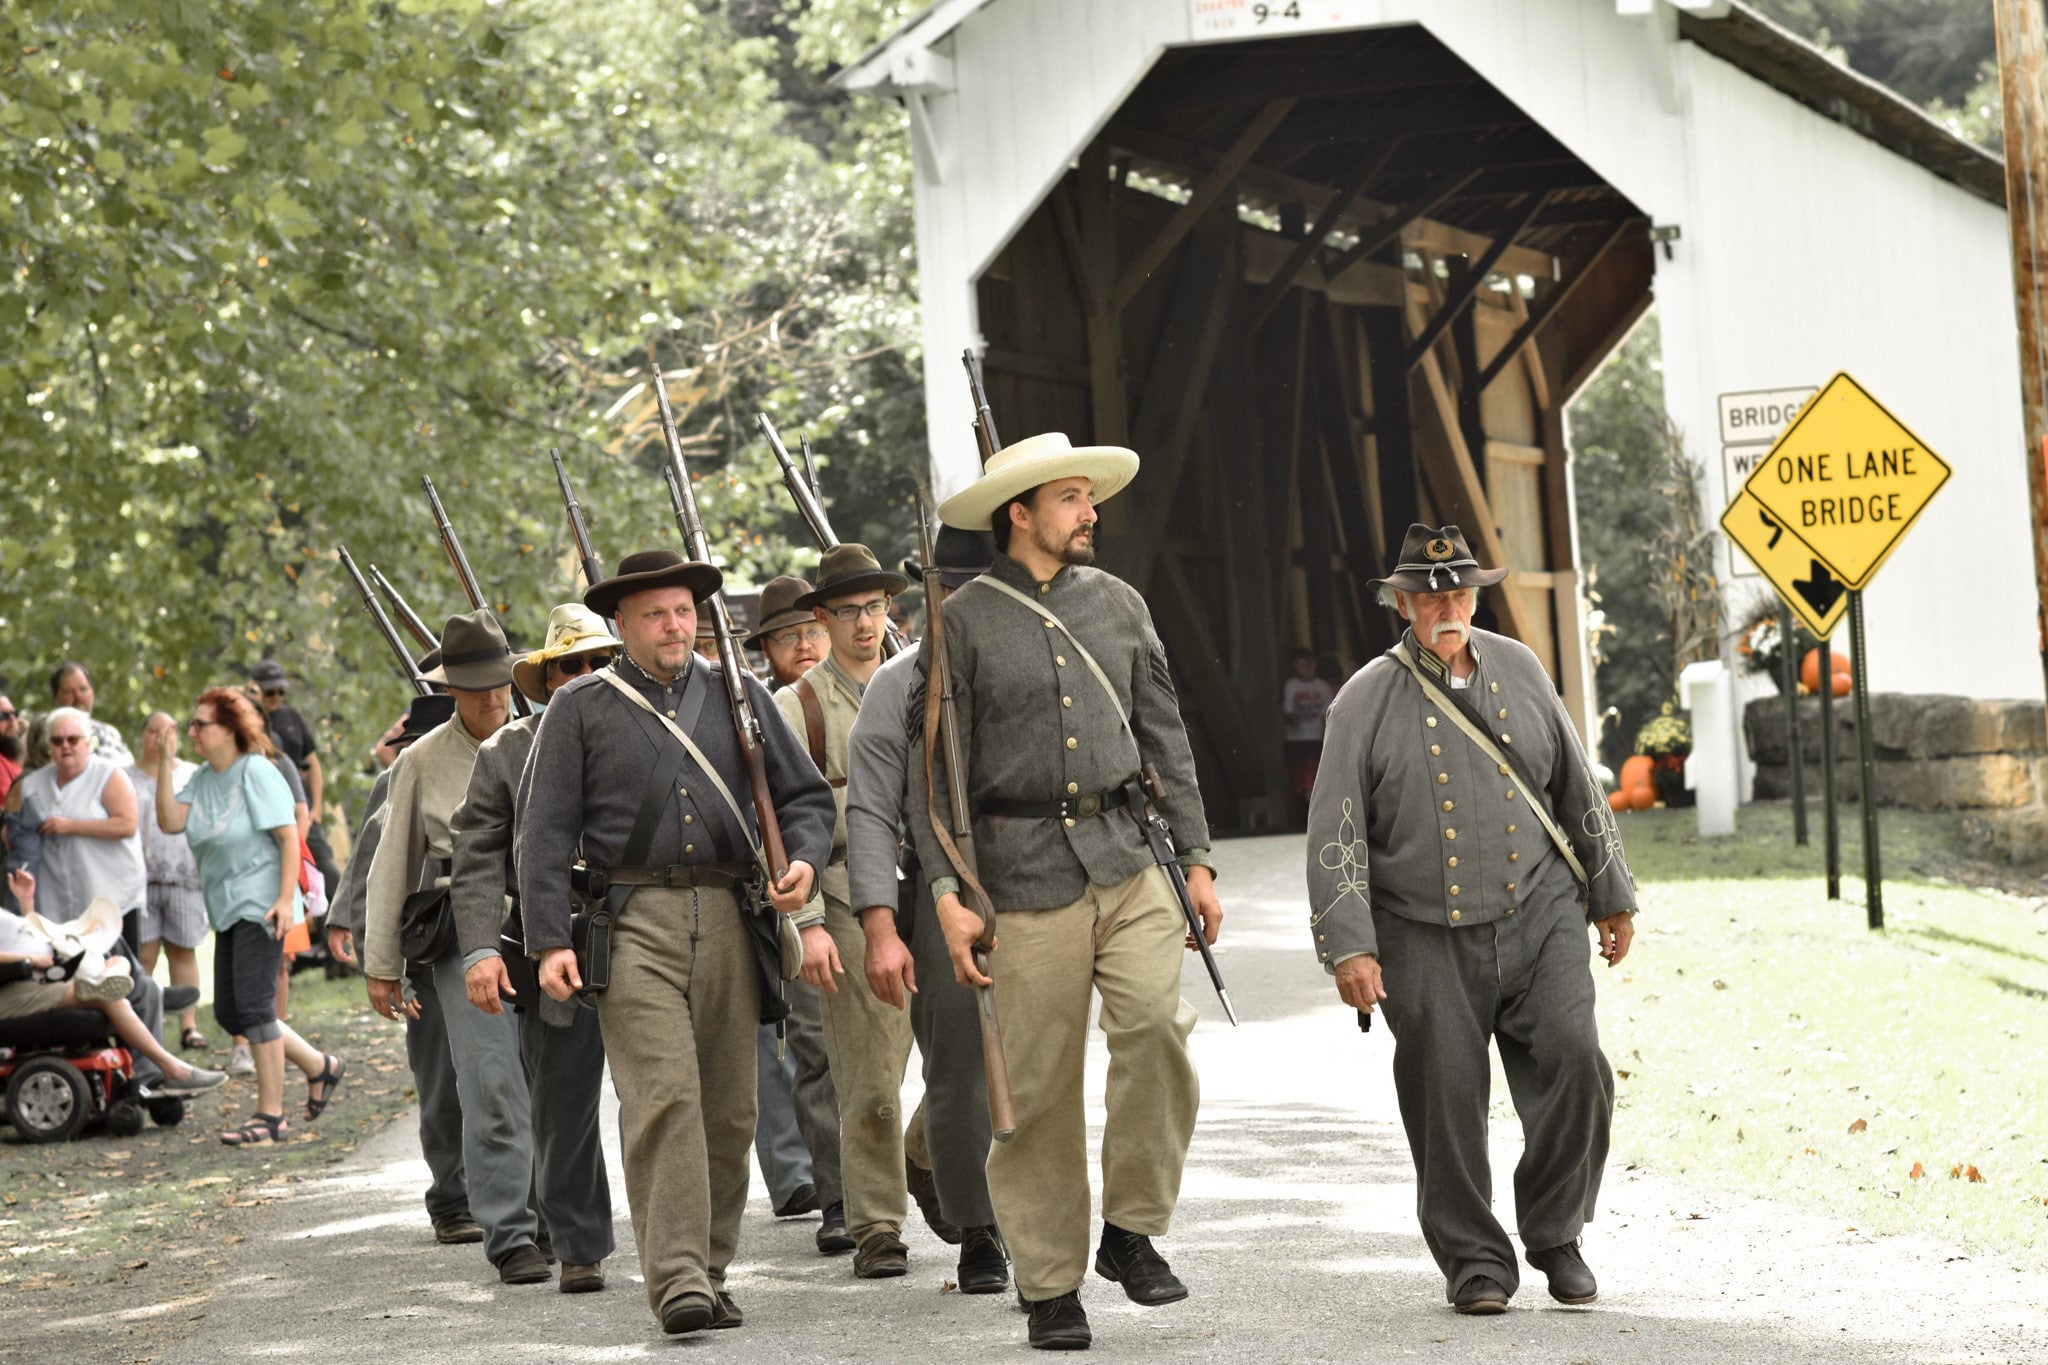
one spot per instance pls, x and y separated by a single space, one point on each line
1437 631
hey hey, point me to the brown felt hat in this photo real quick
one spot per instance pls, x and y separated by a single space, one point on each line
1436 559
848 569
474 655
645 569
779 609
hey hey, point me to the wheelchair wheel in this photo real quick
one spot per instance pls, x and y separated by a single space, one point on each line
167 1110
124 1118
47 1100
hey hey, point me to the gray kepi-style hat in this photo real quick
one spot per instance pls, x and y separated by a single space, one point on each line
474 655
1436 559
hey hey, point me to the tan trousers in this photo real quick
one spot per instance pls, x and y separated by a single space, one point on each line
867 1042
1124 941
679 1026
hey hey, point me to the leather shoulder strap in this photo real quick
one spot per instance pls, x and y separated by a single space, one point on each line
814 720
644 708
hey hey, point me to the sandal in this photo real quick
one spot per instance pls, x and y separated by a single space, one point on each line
260 1131
332 1069
193 1041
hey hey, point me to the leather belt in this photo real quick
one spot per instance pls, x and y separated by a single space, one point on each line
1068 808
678 876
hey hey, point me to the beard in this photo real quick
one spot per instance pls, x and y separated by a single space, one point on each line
1079 548
11 748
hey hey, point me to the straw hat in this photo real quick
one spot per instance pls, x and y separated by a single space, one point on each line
572 629
1026 464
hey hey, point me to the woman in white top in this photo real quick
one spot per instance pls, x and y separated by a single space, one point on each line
174 911
92 844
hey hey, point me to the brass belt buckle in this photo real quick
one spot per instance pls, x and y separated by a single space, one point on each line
1090 805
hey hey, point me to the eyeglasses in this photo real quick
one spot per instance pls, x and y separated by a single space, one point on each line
274 691
570 665
199 723
8 716
855 610
815 635
65 741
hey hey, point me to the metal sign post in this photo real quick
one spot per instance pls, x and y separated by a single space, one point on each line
1866 765
1796 751
1833 834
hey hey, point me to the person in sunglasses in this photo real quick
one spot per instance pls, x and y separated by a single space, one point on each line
549 1084
11 746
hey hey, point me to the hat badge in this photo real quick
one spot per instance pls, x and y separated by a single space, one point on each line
1438 550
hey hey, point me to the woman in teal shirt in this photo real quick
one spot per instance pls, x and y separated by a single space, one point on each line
236 814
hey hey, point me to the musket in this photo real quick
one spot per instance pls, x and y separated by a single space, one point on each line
407 617
752 744
593 570
943 750
984 417
1142 798
803 444
804 493
384 626
470 587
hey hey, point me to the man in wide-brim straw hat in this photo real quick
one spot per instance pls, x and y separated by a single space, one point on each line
556 1076
1458 847
415 853
1050 760
685 999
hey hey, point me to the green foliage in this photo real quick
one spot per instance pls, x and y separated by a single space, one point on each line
1938 53
268 262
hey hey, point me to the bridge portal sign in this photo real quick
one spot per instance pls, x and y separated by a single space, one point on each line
1221 20
1848 479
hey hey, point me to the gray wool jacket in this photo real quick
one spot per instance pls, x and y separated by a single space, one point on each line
484 875
345 910
1411 817
1039 727
589 768
878 755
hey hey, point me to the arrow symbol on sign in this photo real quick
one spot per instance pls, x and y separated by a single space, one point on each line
1820 589
1777 531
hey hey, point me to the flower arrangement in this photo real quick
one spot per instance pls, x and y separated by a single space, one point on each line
1667 735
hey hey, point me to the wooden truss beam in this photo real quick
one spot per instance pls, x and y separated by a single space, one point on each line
1388 231
1547 306
1206 191
1469 282
1311 241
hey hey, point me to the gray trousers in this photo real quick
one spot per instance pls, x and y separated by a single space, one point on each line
497 1114
433 1078
947 1026
817 1099
565 1071
147 1000
778 1144
1525 983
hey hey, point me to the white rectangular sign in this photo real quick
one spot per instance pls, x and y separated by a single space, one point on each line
1751 423
1220 19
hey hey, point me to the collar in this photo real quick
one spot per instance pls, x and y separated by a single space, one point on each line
630 669
1435 667
840 678
1017 576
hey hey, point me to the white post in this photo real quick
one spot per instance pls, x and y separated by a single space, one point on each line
1707 690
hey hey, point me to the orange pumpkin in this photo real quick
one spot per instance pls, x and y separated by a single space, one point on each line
1809 671
1635 771
1642 797
1617 800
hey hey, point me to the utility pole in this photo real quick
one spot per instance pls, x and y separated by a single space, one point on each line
2023 87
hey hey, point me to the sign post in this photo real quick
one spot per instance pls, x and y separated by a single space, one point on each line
1847 480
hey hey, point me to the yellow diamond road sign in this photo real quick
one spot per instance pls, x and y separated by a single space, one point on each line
1808 586
1848 479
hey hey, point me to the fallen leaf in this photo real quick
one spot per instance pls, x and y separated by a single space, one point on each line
1970 1173
1918 1172
205 1180
1858 1126
1955 1172
947 1286
138 1265
1720 985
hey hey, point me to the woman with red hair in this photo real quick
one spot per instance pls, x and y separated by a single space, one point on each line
236 814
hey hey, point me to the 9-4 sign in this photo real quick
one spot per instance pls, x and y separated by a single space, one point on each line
1214 19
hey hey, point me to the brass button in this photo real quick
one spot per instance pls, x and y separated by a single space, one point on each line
1511 886
1435 749
1060 659
1503 770
1070 824
1066 701
1511 829
1451 861
1454 888
1503 713
1511 793
1049 625
1505 740
1044 588
1430 721
1073 743
1442 778
671 715
1450 805
1456 915
686 791
1493 687
689 819
689 848
1514 857
1073 787
1450 834
1511 910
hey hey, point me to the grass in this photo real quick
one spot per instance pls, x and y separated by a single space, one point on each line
1766 1041
101 1210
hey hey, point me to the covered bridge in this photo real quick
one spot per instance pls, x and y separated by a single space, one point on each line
1333 266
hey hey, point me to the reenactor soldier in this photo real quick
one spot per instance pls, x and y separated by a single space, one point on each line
685 993
560 1062
1063 698
1458 846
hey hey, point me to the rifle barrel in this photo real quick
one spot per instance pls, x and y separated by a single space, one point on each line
984 416
809 506
383 622
470 587
407 617
579 529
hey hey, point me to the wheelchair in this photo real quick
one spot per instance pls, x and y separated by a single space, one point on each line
63 1069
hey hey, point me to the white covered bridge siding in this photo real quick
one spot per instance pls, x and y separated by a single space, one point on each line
1334 273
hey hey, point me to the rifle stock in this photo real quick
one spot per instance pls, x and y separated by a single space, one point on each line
471 589
383 622
579 530
683 498
407 617
942 749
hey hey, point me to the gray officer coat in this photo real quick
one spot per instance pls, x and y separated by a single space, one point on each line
1411 817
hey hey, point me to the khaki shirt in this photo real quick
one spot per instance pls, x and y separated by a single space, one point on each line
1411 817
839 699
428 782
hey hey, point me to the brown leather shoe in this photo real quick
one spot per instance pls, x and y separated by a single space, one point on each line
924 1188
881 1256
582 1279
1570 1279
